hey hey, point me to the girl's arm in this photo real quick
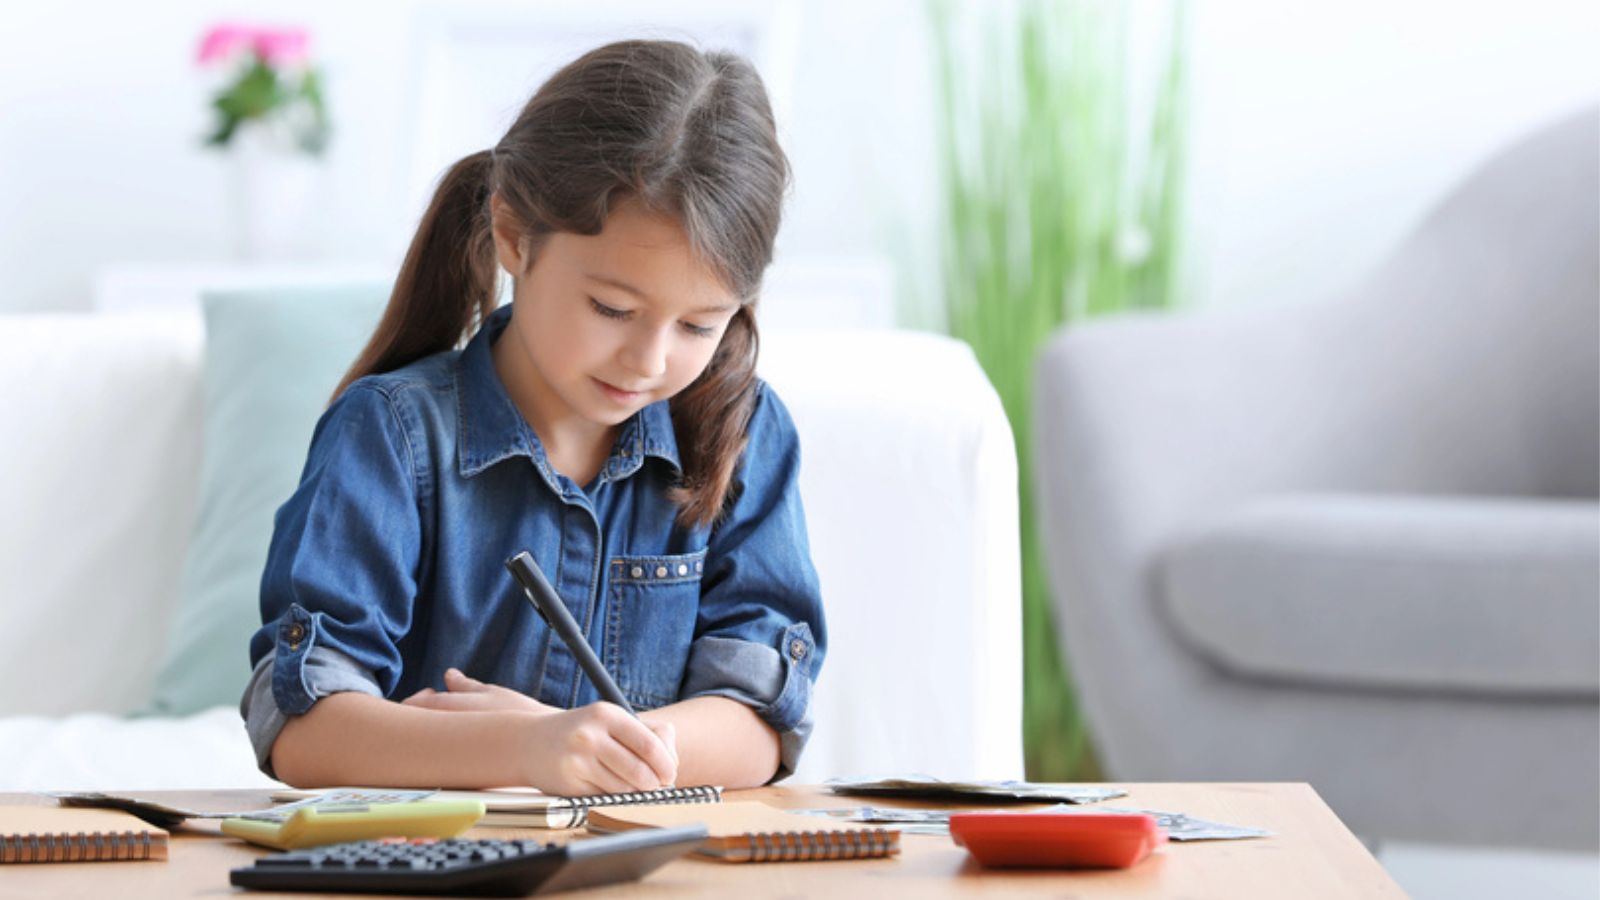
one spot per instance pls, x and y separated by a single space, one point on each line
353 738
719 741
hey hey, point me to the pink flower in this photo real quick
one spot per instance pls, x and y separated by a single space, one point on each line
276 47
222 40
281 48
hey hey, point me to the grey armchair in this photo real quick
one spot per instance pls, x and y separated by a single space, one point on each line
1355 542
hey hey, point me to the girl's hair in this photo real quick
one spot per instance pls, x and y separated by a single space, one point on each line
687 133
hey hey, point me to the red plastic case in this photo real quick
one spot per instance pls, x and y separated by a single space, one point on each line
1057 840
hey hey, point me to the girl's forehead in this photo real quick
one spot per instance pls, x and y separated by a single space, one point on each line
649 257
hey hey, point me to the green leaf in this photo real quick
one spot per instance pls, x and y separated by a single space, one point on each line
260 94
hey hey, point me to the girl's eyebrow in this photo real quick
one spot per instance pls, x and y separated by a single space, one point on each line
630 289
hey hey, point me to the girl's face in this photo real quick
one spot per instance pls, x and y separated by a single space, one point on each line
607 324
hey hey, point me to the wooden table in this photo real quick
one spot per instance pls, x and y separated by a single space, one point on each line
1311 854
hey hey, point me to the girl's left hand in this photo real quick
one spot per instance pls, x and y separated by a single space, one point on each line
464 693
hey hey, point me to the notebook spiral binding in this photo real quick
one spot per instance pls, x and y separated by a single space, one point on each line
801 845
580 805
30 848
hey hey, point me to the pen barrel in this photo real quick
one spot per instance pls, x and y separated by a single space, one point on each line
545 599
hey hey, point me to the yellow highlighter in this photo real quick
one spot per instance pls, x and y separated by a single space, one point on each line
314 826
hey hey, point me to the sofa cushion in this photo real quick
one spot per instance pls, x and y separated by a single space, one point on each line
99 444
272 360
1477 595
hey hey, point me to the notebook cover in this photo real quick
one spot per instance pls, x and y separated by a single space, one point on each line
747 831
59 834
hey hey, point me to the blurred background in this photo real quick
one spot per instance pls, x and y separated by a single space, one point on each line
993 171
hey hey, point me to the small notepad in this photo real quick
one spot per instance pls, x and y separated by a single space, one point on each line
755 832
30 834
528 808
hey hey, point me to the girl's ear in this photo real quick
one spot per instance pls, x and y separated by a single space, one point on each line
510 244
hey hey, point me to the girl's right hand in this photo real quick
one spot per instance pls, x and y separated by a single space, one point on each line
598 749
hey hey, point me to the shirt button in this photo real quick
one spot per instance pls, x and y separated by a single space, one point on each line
683 569
698 566
661 571
637 572
797 649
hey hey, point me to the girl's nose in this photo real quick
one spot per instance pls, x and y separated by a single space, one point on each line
646 354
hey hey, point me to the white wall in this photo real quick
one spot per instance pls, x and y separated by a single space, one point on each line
1320 131
1323 131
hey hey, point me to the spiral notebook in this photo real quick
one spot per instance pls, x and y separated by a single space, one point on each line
746 831
30 834
528 808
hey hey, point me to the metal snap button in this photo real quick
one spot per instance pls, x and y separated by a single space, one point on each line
797 649
699 566
637 572
661 571
683 569
295 633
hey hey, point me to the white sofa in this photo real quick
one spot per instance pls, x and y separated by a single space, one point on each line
909 481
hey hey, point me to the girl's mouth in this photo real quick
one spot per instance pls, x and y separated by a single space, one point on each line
617 394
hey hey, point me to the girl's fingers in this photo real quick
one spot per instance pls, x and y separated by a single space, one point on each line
457 680
669 736
619 766
435 700
648 747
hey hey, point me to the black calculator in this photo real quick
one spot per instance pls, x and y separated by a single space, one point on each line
479 867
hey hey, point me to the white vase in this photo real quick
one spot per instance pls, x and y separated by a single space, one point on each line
277 194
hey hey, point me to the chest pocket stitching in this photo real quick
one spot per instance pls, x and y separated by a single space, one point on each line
622 568
646 570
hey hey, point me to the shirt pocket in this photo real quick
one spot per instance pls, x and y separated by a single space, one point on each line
655 601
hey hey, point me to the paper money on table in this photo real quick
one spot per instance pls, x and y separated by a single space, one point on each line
974 791
911 821
1178 826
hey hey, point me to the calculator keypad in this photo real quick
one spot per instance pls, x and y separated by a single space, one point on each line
416 855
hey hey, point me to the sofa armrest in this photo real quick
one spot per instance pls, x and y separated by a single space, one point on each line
908 474
1143 420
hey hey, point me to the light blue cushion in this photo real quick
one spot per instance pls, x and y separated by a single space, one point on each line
272 359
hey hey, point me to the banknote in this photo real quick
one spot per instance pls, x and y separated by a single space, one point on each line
927 786
1178 826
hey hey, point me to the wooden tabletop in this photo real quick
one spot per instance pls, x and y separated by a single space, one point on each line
1309 855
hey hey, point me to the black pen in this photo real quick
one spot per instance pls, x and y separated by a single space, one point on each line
554 612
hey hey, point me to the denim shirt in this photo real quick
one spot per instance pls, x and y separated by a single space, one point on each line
386 566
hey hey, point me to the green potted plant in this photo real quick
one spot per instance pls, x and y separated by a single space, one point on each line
271 121
1062 193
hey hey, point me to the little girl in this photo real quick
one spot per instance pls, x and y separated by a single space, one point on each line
608 420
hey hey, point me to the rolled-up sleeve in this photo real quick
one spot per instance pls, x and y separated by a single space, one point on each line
341 575
325 671
760 636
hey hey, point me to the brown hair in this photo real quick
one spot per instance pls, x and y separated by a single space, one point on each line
689 134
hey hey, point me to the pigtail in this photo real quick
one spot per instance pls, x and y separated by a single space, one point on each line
711 418
447 284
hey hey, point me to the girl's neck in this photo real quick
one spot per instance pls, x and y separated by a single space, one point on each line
575 446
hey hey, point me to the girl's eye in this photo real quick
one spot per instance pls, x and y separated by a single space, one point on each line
608 311
612 312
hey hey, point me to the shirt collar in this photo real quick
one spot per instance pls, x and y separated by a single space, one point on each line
492 428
